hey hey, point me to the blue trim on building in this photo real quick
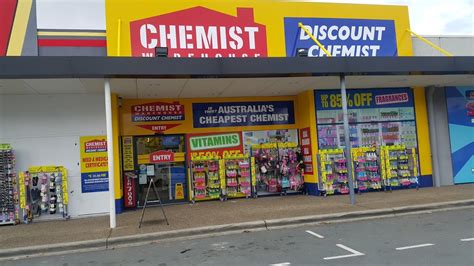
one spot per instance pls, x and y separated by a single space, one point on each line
425 181
311 188
119 205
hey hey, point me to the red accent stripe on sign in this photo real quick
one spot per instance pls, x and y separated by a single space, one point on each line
72 43
7 15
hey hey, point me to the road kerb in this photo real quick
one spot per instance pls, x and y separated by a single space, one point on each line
121 241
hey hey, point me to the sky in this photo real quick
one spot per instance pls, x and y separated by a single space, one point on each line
427 17
433 17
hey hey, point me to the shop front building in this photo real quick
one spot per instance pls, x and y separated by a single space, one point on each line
230 138
254 145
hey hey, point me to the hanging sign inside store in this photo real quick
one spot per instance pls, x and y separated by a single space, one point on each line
341 37
214 144
157 111
162 156
94 164
236 114
199 32
305 138
159 128
364 98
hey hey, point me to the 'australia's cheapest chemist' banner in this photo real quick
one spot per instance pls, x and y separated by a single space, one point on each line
234 114
341 37
94 164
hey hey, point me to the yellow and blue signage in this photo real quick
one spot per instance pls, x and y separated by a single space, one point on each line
341 37
364 98
264 28
94 164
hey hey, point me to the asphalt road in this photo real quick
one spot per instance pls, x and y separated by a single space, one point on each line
441 238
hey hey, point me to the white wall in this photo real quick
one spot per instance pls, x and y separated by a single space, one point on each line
45 130
71 14
456 45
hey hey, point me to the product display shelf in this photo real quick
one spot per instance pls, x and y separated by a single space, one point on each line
398 165
333 172
266 159
44 193
366 169
205 178
278 168
9 195
238 180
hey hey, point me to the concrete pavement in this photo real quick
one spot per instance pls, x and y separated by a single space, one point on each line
441 238
209 217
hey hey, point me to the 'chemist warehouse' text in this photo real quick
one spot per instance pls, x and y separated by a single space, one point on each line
200 32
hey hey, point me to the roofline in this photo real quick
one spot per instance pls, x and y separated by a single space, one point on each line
25 67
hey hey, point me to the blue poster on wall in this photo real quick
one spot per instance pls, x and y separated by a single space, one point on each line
236 114
460 105
341 37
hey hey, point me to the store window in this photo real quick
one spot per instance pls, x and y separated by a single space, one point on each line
383 139
377 117
278 160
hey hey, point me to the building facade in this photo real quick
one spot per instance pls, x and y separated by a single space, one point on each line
271 126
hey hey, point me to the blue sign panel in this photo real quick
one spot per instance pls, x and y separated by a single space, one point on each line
235 114
364 98
94 182
341 37
460 105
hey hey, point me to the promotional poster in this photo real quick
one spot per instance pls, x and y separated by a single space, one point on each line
94 164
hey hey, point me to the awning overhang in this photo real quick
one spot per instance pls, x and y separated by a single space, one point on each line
225 77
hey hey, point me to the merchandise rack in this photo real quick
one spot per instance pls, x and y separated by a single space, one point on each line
237 176
278 167
9 198
366 170
333 172
205 178
44 193
399 166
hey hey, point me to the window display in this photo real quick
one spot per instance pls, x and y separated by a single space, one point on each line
205 178
46 192
9 196
279 167
376 117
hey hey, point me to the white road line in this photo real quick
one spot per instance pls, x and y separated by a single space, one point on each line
314 234
355 253
467 239
281 264
415 246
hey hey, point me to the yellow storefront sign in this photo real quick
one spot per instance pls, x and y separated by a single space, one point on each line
264 28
